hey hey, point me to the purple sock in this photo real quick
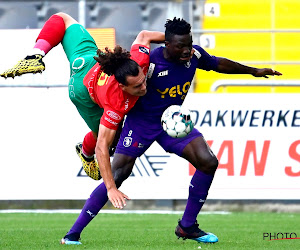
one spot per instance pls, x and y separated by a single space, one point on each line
90 209
198 191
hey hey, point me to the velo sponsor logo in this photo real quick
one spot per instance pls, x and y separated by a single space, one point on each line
163 73
280 236
113 115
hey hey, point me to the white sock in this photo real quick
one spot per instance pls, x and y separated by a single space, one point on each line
36 51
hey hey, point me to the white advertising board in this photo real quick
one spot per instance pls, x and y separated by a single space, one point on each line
255 137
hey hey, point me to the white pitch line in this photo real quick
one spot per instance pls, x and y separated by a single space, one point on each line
77 211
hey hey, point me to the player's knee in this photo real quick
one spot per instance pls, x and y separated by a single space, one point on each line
209 166
120 176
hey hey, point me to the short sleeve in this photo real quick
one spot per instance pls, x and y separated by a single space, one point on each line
141 54
111 118
205 60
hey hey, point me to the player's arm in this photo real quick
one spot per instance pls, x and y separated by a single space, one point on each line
231 67
105 139
146 37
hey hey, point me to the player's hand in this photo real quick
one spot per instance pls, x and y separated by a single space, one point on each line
117 198
265 72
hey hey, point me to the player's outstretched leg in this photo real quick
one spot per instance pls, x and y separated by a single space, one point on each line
90 165
195 233
30 64
89 211
51 35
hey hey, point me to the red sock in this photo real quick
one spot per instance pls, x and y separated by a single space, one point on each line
89 144
51 34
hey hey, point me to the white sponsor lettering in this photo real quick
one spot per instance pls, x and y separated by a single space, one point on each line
163 73
110 121
126 104
113 115
197 53
90 213
150 70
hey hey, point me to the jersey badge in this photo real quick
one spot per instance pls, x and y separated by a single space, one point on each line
144 50
127 142
187 64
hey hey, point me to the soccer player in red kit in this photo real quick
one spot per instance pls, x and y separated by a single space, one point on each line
103 85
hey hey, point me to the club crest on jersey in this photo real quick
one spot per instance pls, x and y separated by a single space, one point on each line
127 142
187 64
163 73
144 50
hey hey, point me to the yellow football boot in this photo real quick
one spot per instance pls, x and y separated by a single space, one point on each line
90 166
31 64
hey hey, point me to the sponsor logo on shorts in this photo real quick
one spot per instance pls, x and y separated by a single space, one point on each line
127 142
113 115
144 50
110 121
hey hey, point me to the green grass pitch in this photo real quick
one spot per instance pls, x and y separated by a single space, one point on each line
147 231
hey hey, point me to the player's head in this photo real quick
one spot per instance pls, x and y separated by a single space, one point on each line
178 40
126 71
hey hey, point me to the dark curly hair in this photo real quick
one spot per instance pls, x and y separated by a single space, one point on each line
117 63
177 26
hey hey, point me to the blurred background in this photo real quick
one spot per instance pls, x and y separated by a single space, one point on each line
251 124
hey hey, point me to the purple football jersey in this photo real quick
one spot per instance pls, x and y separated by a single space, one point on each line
168 83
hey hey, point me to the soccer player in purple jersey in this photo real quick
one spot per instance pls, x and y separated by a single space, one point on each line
170 74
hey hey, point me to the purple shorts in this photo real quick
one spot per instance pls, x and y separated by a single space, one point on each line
139 133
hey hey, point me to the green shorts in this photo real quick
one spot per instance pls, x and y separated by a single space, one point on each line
80 48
